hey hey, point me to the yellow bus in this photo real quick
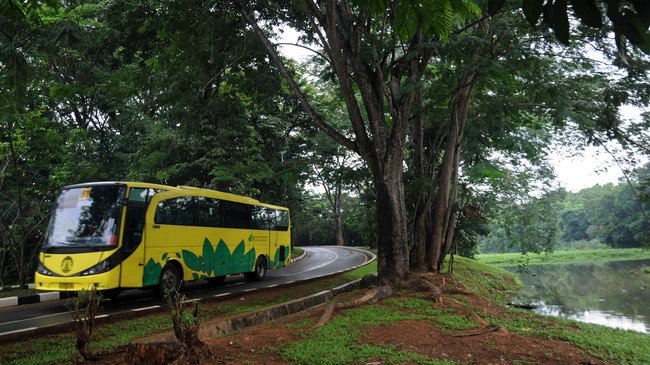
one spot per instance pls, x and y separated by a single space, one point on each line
119 235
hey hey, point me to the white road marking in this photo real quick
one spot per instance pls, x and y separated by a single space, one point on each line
145 308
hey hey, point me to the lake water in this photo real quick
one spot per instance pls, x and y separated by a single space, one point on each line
614 294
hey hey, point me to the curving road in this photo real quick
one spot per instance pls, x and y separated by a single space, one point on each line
26 320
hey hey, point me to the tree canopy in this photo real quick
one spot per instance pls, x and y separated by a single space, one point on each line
435 112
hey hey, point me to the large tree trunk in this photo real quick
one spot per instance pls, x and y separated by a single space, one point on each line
423 204
393 254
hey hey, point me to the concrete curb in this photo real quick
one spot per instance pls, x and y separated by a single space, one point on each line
224 326
303 256
32 298
50 296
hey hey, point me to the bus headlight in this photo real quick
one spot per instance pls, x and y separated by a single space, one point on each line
97 269
43 270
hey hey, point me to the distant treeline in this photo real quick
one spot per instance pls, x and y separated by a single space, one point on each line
597 217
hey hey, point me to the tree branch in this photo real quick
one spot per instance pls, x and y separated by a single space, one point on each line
313 115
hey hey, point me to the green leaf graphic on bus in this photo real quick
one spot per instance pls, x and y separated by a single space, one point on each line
151 272
219 260
192 261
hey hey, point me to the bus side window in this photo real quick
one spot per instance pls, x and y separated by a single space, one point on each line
182 211
237 215
209 215
282 220
260 218
269 218
135 213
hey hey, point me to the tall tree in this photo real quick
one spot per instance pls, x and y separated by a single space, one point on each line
379 53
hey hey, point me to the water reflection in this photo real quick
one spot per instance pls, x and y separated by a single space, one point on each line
614 294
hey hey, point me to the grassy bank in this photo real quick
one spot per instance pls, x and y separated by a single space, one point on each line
564 257
390 332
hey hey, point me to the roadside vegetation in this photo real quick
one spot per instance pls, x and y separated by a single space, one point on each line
60 348
459 319
564 257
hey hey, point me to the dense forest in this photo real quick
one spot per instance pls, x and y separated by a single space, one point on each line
416 128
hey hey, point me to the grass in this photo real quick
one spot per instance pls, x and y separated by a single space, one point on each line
296 252
563 257
339 342
490 281
445 319
617 346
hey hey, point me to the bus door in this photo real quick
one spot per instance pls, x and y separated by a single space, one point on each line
273 239
132 268
283 236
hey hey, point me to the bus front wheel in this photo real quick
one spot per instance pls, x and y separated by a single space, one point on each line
259 272
170 279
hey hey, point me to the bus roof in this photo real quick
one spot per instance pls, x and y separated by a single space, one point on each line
189 190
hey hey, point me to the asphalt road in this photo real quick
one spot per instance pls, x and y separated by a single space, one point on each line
25 320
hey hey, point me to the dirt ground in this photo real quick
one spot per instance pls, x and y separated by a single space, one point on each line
489 345
486 344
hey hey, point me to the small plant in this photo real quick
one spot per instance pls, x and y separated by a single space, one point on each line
185 318
84 310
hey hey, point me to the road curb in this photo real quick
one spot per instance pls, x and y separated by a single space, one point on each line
302 256
32 298
222 326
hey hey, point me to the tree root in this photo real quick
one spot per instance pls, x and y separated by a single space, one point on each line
480 331
486 328
458 291
373 295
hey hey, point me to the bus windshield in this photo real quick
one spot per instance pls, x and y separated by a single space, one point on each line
86 217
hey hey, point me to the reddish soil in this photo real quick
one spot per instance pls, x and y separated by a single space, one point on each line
489 345
485 344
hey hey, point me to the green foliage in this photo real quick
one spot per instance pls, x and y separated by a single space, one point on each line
614 214
185 317
183 94
337 341
629 21
525 227
568 256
